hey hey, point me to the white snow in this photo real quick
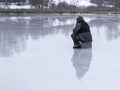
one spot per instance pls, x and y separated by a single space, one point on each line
82 3
19 7
15 6
110 6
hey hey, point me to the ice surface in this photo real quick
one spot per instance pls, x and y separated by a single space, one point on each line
36 53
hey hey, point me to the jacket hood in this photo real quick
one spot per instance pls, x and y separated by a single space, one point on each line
79 19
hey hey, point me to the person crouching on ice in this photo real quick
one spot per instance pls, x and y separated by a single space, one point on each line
81 33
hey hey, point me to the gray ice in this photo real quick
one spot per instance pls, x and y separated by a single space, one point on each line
36 53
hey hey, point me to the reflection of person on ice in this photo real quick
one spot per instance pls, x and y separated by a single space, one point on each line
81 33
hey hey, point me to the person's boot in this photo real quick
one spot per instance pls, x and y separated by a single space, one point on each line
77 45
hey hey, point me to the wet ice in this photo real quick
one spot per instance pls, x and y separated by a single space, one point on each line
36 53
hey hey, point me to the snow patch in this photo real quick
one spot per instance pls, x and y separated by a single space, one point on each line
110 6
14 6
20 7
81 3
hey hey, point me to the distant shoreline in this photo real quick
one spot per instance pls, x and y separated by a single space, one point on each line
60 11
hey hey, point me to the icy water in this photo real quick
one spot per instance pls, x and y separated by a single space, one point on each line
36 53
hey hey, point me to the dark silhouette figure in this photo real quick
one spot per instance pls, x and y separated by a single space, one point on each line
81 33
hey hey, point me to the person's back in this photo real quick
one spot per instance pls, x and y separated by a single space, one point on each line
84 27
81 33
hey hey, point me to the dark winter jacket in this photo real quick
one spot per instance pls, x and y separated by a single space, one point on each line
82 30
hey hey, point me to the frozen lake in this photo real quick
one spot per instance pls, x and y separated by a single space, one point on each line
36 53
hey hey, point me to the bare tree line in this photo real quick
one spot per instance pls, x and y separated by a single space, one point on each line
39 3
51 3
102 3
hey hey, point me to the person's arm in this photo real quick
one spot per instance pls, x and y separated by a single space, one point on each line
77 28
